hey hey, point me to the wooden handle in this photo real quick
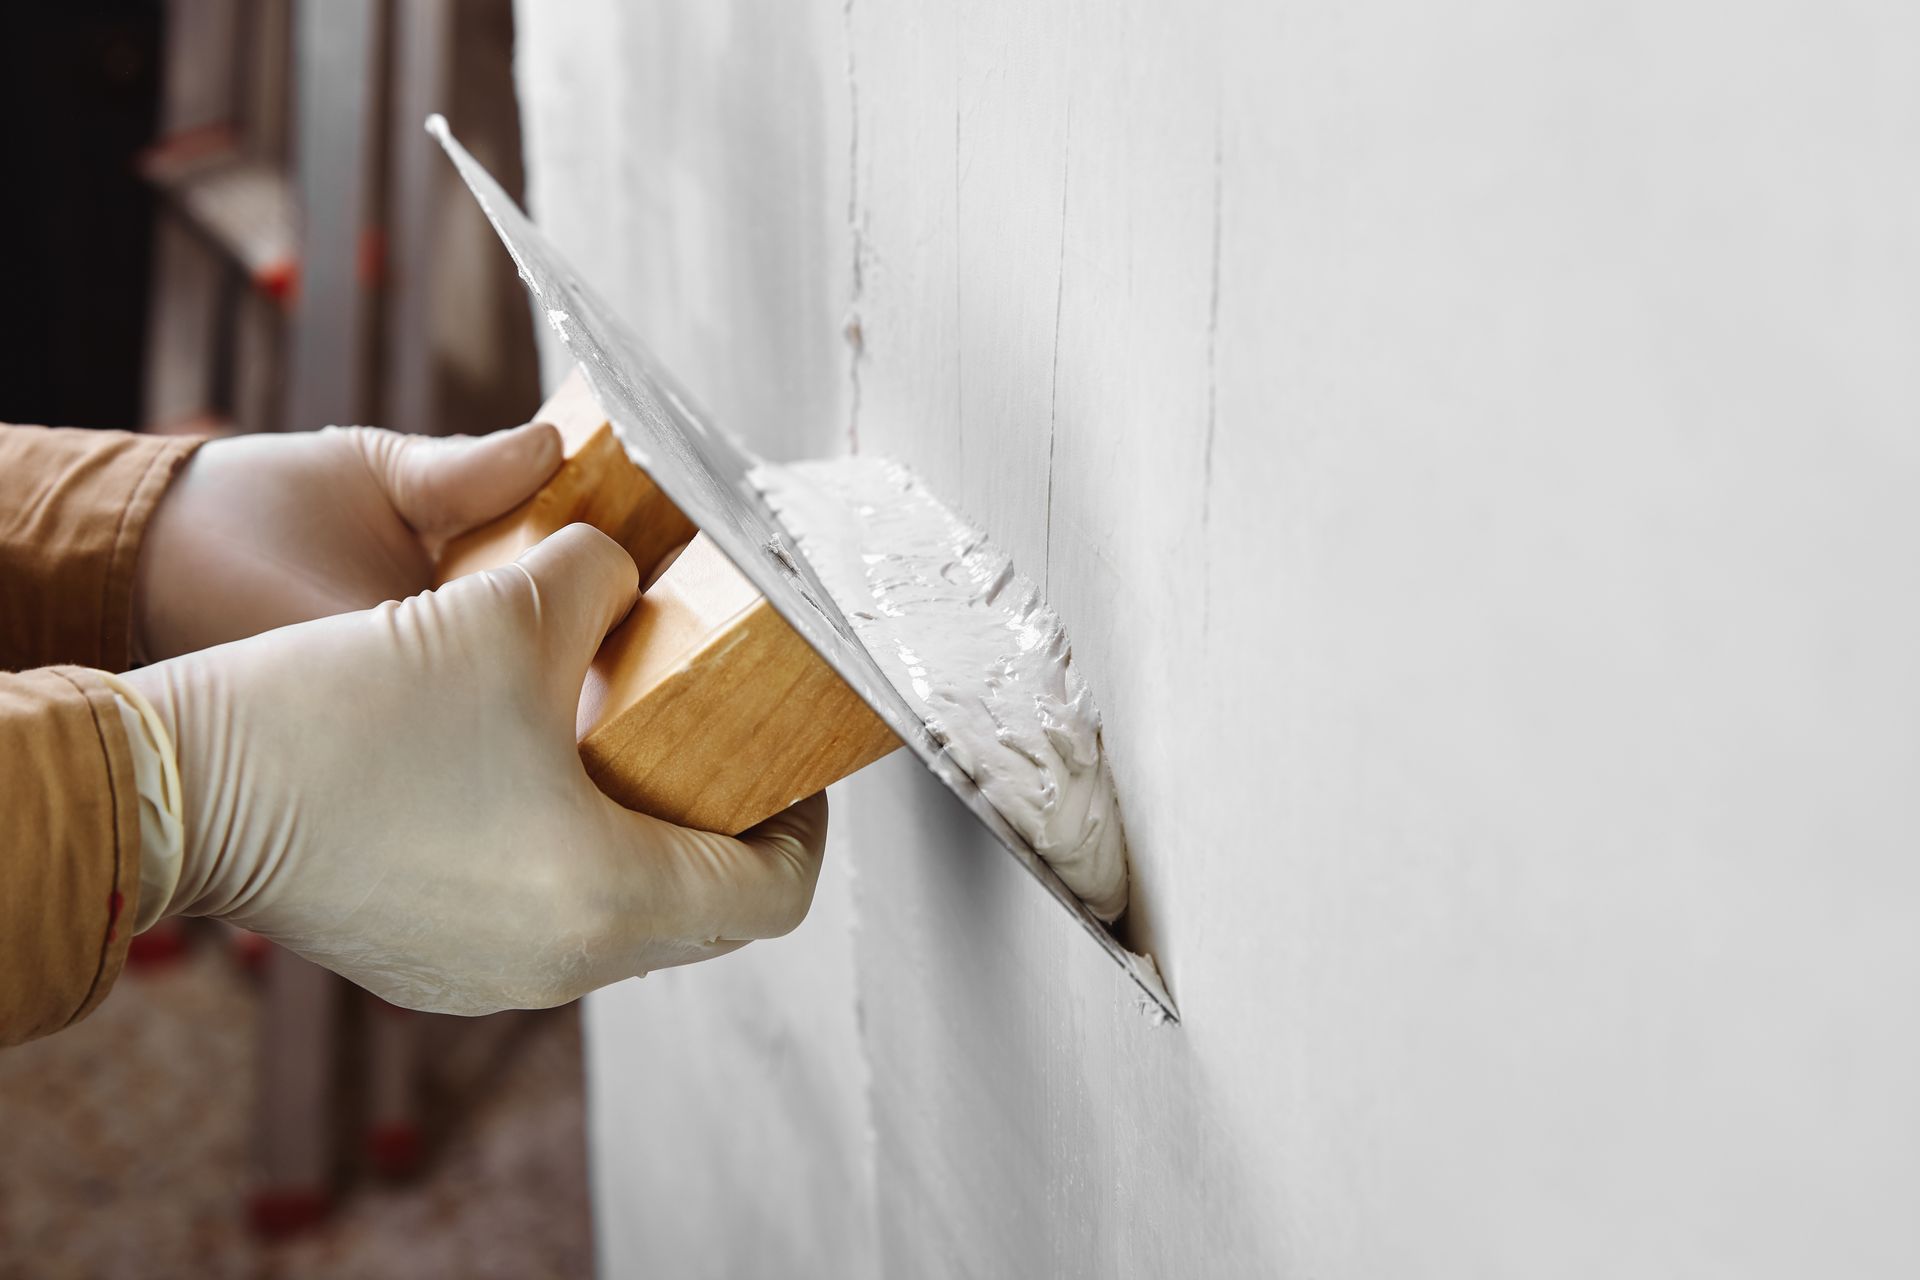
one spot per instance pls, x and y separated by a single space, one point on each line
703 707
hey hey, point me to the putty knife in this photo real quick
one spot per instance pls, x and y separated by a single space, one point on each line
705 471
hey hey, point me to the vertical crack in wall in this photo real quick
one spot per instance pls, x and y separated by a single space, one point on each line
856 906
1213 383
959 312
853 331
1059 297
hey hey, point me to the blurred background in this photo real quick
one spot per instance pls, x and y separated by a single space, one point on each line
224 216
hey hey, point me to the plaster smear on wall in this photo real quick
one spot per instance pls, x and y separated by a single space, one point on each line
970 644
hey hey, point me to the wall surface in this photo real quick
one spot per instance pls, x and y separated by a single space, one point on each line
1473 448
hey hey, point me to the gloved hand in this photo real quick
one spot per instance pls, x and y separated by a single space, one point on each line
396 794
260 531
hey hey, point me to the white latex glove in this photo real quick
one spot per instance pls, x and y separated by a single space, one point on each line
260 531
397 795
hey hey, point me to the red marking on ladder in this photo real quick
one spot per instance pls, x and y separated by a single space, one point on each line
370 258
279 280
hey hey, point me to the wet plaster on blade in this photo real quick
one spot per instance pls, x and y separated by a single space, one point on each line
972 647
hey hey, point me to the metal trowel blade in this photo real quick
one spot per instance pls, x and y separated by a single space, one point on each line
705 471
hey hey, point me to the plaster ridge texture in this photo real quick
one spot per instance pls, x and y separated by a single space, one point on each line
971 646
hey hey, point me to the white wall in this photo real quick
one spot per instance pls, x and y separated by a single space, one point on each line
1474 448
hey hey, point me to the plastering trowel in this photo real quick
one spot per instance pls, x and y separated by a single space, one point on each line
705 474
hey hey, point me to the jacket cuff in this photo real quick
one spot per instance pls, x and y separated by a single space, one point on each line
74 508
73 873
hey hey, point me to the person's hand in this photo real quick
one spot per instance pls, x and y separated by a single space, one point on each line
260 531
396 794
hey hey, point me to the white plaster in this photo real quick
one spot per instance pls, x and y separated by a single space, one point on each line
1472 449
972 647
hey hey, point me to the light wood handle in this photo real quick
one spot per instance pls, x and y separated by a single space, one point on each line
703 707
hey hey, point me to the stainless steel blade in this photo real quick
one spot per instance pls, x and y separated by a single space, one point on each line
705 471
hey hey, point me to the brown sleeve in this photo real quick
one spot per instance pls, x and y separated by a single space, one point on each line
69 848
73 507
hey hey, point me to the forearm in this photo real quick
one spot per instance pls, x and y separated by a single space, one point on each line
74 507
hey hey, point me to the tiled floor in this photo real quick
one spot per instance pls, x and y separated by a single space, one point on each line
123 1148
